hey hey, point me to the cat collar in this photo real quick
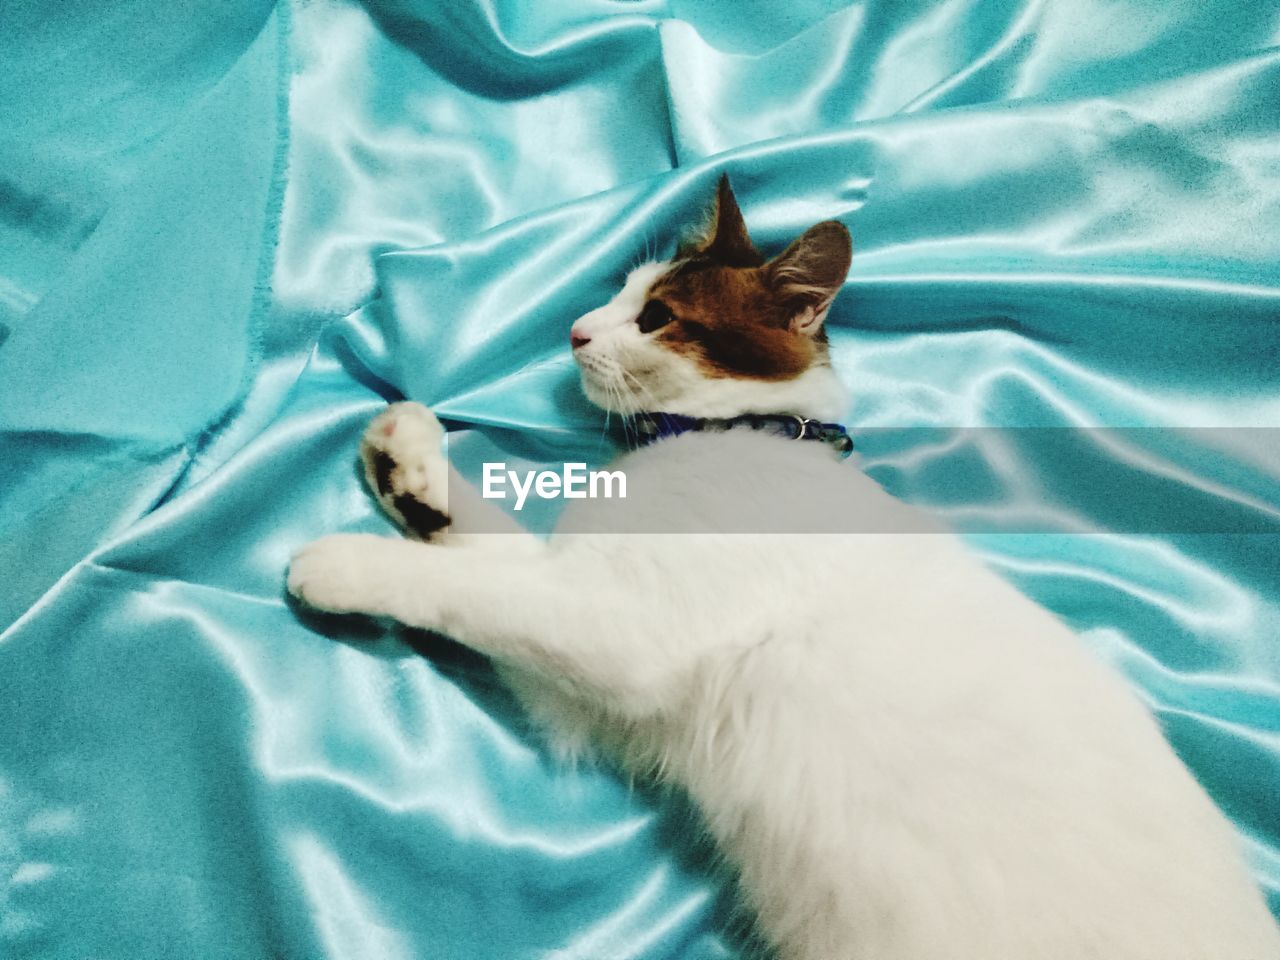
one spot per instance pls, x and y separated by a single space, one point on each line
658 426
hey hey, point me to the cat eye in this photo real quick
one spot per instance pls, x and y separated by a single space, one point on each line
654 315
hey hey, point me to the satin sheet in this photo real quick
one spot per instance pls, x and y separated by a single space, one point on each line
230 232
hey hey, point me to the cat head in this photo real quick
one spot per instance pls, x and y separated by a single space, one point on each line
719 331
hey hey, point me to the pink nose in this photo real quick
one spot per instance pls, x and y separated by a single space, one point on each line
577 340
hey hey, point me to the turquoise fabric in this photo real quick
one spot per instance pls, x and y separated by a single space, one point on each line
229 231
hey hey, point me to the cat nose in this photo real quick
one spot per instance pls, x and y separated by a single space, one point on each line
577 340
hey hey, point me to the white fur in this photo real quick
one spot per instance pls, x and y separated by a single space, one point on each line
905 758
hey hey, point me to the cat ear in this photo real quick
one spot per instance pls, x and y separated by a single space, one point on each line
724 236
809 273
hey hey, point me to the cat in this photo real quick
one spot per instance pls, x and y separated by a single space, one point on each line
902 756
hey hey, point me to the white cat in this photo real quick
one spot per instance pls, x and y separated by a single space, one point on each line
904 757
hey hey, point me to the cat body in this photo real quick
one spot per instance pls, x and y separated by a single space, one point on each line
903 757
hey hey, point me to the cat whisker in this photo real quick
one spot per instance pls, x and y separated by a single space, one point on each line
652 403
615 402
608 414
623 403
632 401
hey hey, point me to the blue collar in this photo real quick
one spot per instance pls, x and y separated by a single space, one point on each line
658 426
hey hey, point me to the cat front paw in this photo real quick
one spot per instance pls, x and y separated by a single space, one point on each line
340 573
406 469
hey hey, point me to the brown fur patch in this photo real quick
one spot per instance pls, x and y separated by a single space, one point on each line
723 237
730 321
737 316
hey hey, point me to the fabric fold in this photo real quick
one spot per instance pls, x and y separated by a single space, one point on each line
227 240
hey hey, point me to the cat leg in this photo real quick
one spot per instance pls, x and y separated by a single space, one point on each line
411 478
572 626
